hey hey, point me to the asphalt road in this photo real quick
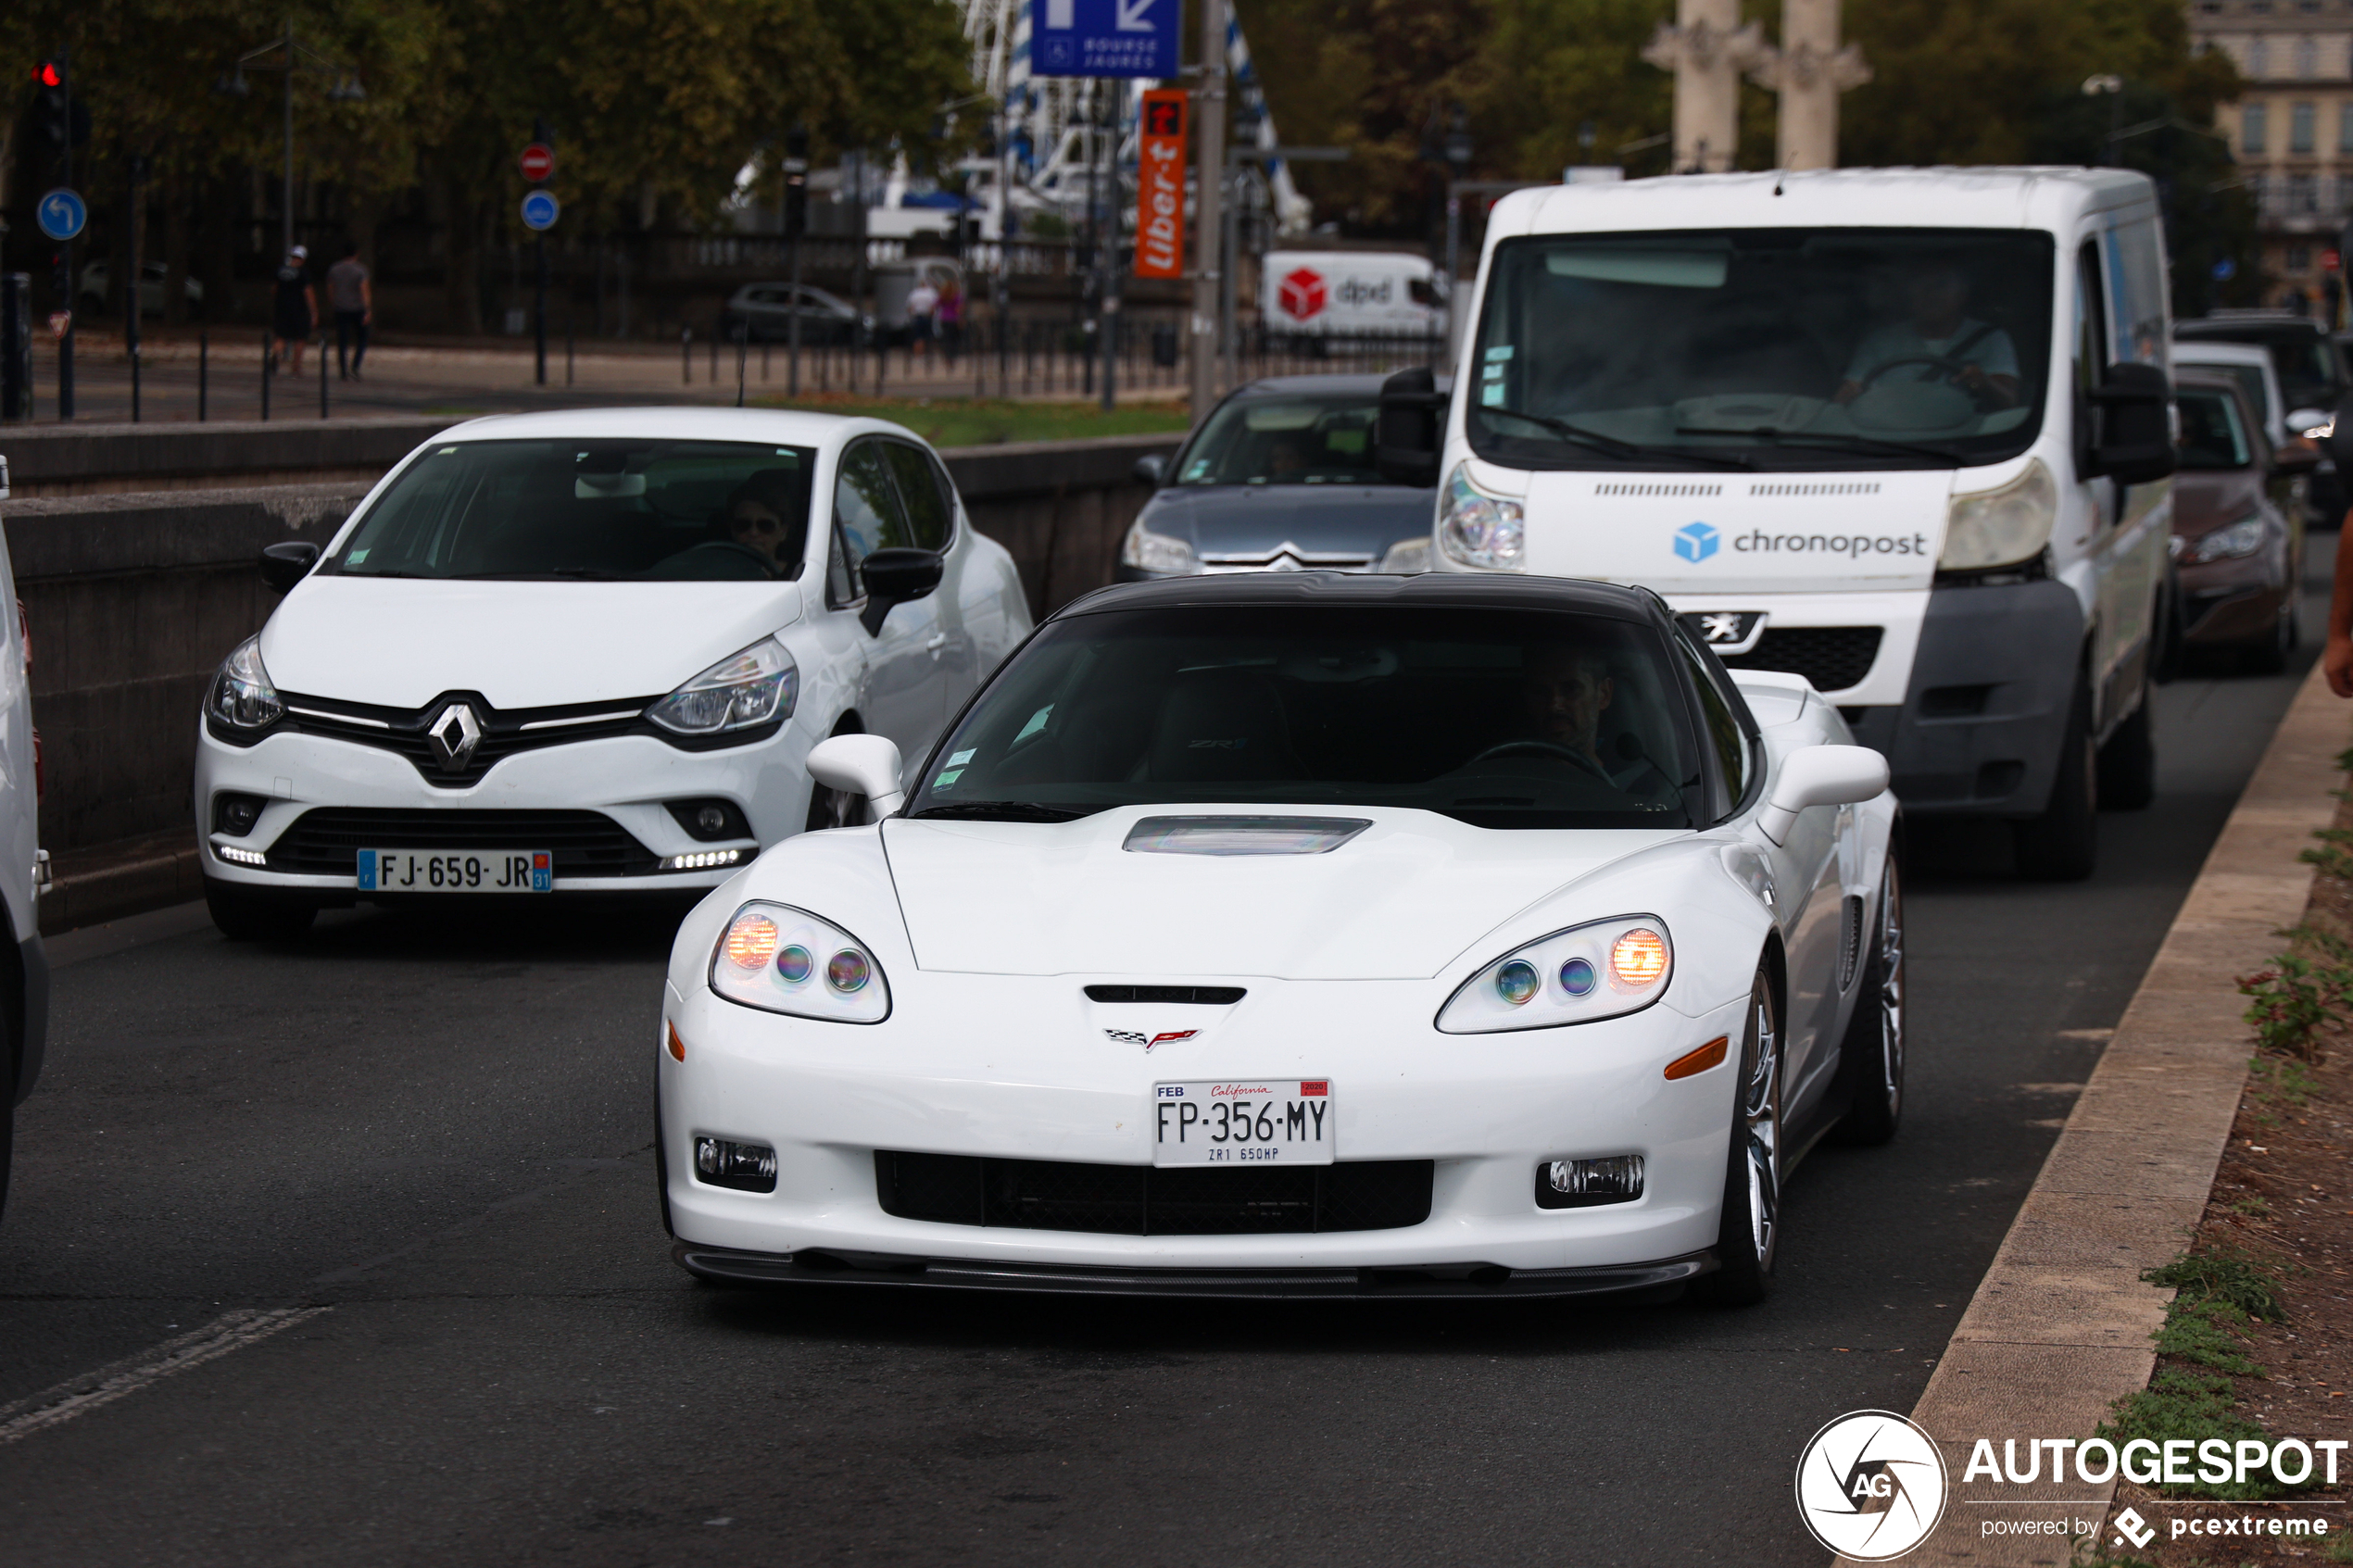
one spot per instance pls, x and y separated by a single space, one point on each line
442 1135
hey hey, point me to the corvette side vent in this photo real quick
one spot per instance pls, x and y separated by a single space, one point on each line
1199 995
1851 949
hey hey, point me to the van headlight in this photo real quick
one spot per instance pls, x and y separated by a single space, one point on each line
1602 969
778 958
759 686
242 696
1478 530
1147 551
1988 528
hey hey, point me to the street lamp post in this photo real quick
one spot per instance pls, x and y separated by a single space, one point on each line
2112 87
297 56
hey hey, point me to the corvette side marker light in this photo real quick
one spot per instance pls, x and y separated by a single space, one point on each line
746 1167
1639 957
1700 1061
1582 1184
677 1046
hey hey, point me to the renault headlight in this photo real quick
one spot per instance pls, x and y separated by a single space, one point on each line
1604 969
2001 527
778 958
1147 551
756 686
2235 541
242 696
1478 530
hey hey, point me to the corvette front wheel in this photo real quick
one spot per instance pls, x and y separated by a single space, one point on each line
1748 1236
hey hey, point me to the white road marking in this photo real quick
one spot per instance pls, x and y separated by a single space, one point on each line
79 1396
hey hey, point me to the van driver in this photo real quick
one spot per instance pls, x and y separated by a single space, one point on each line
1973 355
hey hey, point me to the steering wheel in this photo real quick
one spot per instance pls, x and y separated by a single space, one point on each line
1950 367
1544 749
767 567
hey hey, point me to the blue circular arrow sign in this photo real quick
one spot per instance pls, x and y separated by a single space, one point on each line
62 213
539 210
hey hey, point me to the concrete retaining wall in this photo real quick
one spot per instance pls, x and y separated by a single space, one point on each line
132 599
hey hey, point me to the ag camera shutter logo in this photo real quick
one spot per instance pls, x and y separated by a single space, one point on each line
1870 1485
1697 541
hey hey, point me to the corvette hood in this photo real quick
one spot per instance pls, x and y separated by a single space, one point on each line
1397 901
401 643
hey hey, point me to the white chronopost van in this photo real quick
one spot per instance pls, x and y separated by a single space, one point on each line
1906 433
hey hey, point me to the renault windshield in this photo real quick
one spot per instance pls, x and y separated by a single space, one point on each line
1765 349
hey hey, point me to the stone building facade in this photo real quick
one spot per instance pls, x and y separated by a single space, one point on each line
2291 132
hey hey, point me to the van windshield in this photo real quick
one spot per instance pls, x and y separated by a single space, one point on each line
1769 348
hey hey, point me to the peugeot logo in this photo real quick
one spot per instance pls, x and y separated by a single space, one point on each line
454 736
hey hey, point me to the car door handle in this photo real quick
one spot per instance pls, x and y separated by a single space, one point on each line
938 641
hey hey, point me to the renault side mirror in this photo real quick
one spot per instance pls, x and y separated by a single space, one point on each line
284 565
1151 470
894 577
1407 430
866 765
2132 438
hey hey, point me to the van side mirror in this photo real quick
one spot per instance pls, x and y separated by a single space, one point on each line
2131 425
2338 442
1152 469
284 565
894 577
866 765
1406 430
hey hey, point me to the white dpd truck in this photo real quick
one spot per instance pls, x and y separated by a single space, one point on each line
1318 293
1904 432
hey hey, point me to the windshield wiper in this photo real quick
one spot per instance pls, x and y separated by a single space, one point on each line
1004 812
1627 450
1830 440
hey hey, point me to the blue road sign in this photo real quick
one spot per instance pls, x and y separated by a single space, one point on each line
63 212
1103 37
539 210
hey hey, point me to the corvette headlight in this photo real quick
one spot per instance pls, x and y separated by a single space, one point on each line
1477 529
2231 543
756 686
778 958
1602 969
2001 527
1147 551
242 696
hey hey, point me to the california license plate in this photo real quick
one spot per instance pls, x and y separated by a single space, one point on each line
457 870
1244 1122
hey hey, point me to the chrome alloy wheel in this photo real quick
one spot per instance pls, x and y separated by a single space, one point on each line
1761 1127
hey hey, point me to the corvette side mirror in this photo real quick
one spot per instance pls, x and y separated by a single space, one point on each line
284 565
893 577
1818 775
866 765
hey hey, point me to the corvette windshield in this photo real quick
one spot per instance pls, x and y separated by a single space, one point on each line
1506 719
590 509
1815 349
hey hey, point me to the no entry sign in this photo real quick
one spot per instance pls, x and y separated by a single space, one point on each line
1159 186
538 162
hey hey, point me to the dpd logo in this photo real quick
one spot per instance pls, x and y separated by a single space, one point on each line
1697 541
1870 1485
1302 294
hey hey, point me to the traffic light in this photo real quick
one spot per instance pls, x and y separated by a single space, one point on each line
797 181
58 118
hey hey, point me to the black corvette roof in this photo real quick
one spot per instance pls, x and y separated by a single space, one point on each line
1436 590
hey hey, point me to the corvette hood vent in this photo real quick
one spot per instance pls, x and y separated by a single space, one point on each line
1395 896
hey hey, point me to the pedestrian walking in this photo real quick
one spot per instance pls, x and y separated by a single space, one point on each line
922 301
951 315
294 306
352 297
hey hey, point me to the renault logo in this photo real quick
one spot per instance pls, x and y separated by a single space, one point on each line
454 736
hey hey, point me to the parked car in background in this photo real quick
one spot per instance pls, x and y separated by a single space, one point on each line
2238 525
765 313
98 279
1279 478
2313 379
586 653
2250 365
24 969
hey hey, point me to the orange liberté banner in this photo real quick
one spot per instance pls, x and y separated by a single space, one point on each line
1159 186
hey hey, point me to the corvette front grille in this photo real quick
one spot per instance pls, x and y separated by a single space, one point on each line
1046 1194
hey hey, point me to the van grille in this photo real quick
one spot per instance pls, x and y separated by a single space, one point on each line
1833 657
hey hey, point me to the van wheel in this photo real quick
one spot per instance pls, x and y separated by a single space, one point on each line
1748 1236
2127 763
255 915
2062 844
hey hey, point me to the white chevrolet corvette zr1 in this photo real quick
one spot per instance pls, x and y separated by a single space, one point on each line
1302 935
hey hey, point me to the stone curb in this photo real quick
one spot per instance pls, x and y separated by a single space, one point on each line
164 874
2060 1326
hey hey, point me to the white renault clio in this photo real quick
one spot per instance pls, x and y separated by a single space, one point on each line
587 652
